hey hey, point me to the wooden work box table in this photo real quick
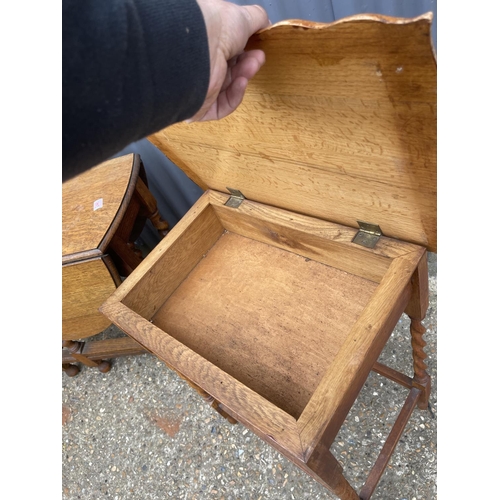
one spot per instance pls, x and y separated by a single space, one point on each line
276 293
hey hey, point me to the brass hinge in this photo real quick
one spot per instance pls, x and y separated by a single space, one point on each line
235 199
368 234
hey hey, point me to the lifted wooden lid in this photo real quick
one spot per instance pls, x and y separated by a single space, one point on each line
340 124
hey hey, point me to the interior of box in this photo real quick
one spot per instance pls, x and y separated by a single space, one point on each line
278 316
272 319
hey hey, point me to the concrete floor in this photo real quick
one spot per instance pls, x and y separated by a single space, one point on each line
140 432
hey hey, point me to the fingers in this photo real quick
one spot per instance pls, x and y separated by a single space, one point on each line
256 54
246 65
235 84
229 99
228 28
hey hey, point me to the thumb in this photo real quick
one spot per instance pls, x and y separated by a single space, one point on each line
257 18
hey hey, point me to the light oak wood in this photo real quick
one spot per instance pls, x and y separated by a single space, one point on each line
416 310
148 292
75 349
345 376
389 445
248 301
164 277
265 419
419 301
140 276
394 375
323 241
325 469
84 228
340 123
189 312
106 349
85 286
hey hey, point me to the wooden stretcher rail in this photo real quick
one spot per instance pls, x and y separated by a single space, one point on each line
393 375
390 444
105 349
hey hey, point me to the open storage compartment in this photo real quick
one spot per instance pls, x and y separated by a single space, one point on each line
272 319
261 307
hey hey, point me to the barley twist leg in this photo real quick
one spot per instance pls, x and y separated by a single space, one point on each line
421 378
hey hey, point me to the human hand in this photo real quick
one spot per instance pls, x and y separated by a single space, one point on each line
229 26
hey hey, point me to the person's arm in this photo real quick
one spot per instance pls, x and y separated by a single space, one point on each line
130 67
133 67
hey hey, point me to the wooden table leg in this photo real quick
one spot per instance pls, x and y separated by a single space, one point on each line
76 349
325 469
70 369
96 353
210 400
207 397
148 201
421 379
416 310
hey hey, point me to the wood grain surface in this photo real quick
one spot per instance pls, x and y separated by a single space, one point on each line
337 391
265 419
83 226
320 240
272 319
166 267
85 286
340 123
242 303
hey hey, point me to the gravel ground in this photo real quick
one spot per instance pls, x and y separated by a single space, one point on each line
140 432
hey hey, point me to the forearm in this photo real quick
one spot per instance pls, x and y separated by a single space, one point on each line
130 68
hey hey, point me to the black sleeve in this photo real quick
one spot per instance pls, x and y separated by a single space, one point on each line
129 68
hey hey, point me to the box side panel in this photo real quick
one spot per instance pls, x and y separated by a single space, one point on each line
262 417
343 380
173 259
319 240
